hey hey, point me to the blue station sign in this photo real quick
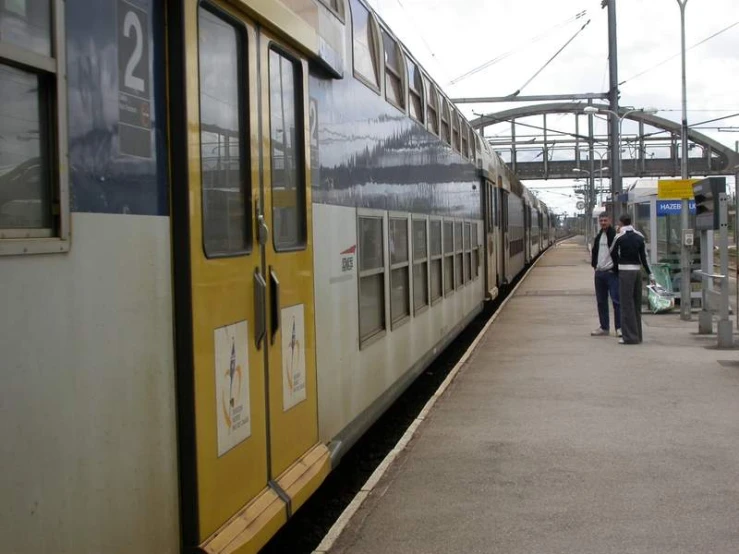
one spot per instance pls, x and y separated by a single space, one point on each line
673 207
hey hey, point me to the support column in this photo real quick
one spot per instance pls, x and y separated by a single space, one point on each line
514 152
685 261
589 204
546 150
705 317
615 139
736 238
725 331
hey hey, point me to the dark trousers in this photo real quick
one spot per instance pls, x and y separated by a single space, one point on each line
629 283
606 282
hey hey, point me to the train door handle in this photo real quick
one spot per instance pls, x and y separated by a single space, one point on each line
260 299
275 303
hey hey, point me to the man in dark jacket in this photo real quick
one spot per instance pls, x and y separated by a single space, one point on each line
629 256
606 277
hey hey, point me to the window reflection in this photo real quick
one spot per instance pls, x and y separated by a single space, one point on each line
27 24
370 246
25 180
288 194
226 203
364 44
393 81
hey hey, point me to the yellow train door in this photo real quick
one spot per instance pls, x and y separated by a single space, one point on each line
253 428
293 408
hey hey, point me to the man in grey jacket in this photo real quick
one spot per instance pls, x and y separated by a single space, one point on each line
606 277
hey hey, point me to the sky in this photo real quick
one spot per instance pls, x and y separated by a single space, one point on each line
451 37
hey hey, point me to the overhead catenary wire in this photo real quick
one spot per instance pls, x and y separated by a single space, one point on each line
420 34
716 119
440 65
714 35
509 53
550 60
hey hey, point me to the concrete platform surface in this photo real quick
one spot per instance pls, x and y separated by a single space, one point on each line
553 441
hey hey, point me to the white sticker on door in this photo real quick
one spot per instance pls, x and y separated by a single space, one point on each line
232 385
293 356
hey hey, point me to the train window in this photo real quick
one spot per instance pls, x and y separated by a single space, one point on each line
29 182
28 25
448 257
489 224
473 145
399 271
475 252
432 107
467 253
436 261
394 81
445 119
34 204
225 177
336 6
415 91
494 193
455 130
420 265
366 46
465 140
458 271
371 278
287 145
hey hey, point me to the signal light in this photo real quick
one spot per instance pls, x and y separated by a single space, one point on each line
706 194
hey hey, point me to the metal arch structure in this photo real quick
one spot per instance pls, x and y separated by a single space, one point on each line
546 156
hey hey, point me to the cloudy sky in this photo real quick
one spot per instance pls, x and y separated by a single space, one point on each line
452 37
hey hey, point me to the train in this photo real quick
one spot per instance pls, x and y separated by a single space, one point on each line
232 232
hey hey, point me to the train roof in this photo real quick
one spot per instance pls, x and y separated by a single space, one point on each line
488 162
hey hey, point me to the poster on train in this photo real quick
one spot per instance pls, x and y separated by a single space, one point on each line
293 356
232 385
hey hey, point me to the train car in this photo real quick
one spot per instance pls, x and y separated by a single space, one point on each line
514 227
543 226
232 232
397 259
535 227
89 397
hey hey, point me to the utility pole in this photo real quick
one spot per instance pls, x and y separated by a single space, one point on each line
685 281
615 139
591 179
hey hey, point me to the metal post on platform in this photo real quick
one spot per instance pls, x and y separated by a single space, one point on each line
725 331
712 212
736 235
705 317
685 287
615 137
590 204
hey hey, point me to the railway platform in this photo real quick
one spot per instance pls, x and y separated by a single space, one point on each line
549 440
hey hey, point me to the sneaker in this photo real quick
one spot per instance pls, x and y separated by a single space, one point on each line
599 333
621 341
618 333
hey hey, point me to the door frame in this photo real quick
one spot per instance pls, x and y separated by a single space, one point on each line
181 273
179 45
